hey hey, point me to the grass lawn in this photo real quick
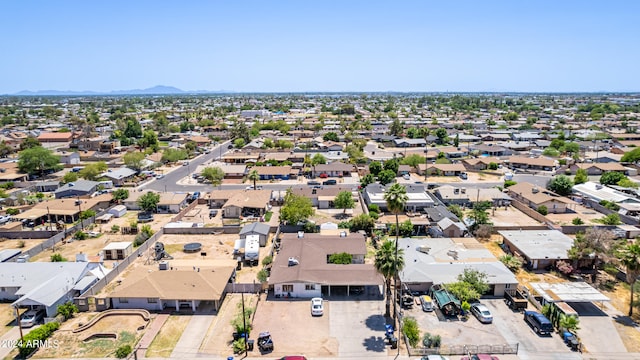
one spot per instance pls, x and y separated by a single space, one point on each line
166 340
267 216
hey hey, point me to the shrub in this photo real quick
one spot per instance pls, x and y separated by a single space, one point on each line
80 235
267 260
411 330
262 276
493 166
542 210
374 208
508 183
484 231
13 211
238 346
115 228
340 258
374 215
67 310
57 258
310 227
577 221
21 244
30 341
513 263
564 267
123 351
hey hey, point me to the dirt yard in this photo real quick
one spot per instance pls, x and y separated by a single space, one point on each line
72 344
285 320
587 215
219 337
20 244
7 318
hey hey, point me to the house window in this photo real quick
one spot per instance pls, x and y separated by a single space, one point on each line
152 300
82 302
123 300
287 288
309 287
3 289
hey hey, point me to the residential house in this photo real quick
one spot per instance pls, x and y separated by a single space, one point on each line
322 198
491 150
65 210
405 142
433 261
240 157
541 249
188 285
541 163
480 163
46 285
334 169
302 269
77 188
55 137
119 176
597 192
247 203
466 196
452 229
417 197
68 157
598 168
172 202
273 172
536 197
442 169
9 171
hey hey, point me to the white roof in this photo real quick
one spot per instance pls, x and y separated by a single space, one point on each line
118 245
568 292
599 192
539 244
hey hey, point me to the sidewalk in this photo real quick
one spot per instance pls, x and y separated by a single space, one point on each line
189 344
150 334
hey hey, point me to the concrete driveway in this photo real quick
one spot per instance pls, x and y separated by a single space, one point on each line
593 324
358 325
512 327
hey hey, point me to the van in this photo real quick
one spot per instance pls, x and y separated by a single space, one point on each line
540 324
330 182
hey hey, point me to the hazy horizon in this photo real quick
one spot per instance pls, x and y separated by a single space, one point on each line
322 47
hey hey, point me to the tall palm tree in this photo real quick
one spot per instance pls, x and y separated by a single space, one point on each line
396 198
388 264
629 256
254 176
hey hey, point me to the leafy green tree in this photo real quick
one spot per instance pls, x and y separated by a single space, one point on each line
161 123
413 160
215 175
406 228
628 183
456 210
29 143
542 210
149 201
318 159
120 195
37 160
295 208
123 351
134 160
611 178
393 165
561 185
411 330
366 180
5 149
254 176
375 167
87 214
70 177
386 176
341 258
330 136
631 156
572 148
611 219
456 140
239 130
396 198
362 222
239 143
479 215
441 134
551 152
396 128
344 200
629 257
493 166
93 171
149 140
581 176
464 291
389 261
477 279
67 310
173 155
132 129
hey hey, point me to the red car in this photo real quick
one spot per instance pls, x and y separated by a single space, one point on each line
296 357
324 176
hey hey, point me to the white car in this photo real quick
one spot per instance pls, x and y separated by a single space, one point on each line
159 176
317 309
5 219
406 177
31 318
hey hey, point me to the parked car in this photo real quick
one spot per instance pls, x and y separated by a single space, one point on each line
5 219
426 302
317 309
540 324
31 318
159 176
463 176
481 313
406 177
434 357
311 183
330 182
324 176
213 213
295 357
185 163
480 357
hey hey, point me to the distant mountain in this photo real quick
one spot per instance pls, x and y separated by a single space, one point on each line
156 90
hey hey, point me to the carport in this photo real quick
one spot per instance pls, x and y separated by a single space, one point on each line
568 292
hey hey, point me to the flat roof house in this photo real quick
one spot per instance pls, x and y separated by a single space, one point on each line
302 268
334 169
418 198
76 188
540 248
432 261
246 203
119 176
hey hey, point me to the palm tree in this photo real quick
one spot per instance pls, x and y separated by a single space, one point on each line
629 256
254 176
396 198
388 263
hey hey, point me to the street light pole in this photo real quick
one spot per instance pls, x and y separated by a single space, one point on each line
79 202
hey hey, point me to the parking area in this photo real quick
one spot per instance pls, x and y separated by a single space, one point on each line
508 327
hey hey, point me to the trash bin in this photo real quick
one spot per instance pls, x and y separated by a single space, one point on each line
394 342
250 345
230 358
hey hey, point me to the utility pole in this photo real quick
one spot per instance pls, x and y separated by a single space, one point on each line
49 218
19 324
244 328
79 202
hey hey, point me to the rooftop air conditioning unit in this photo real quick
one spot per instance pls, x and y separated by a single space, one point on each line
534 190
163 265
293 261
300 234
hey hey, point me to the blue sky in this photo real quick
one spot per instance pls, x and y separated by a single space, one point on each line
274 46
